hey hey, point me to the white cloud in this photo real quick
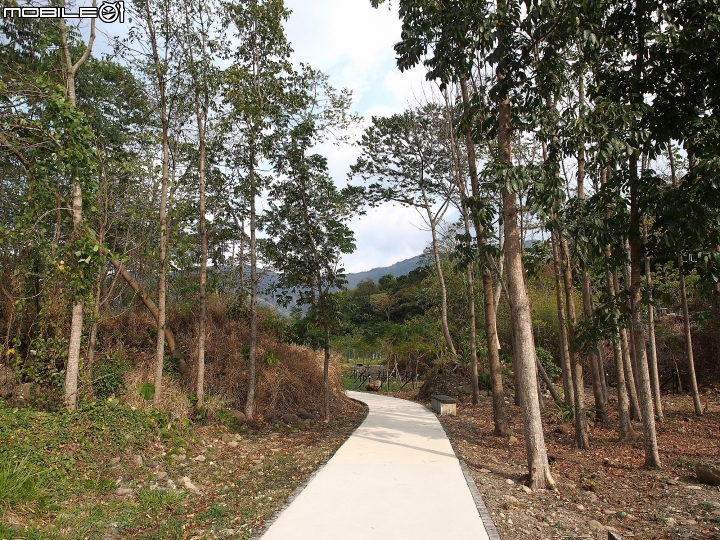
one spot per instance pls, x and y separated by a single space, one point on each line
347 39
384 236
353 44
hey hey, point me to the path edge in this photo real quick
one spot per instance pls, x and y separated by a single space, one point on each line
474 491
298 490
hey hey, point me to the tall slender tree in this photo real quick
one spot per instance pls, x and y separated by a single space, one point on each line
78 309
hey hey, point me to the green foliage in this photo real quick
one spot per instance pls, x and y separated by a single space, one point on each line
564 413
62 448
271 359
154 502
108 375
226 418
505 359
21 488
147 391
547 361
484 381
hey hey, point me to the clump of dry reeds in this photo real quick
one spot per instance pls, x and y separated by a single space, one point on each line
294 381
173 399
289 376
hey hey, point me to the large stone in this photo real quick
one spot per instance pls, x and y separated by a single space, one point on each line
238 415
305 414
122 492
19 402
187 484
373 386
708 473
291 419
138 460
465 389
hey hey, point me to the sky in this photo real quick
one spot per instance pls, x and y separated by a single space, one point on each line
353 44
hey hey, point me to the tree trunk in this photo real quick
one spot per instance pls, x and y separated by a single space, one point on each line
593 357
595 362
631 367
686 315
562 326
500 420
629 375
78 308
465 210
73 363
581 431
628 359
326 374
92 338
200 389
252 368
441 283
548 382
652 351
624 425
652 457
473 337
502 428
716 319
153 309
538 466
162 287
688 341
162 270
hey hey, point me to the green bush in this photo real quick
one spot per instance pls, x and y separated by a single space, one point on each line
484 381
108 375
226 418
546 359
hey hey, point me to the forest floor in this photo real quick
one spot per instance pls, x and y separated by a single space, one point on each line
605 488
600 489
112 474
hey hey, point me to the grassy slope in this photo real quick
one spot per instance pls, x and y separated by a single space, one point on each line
80 459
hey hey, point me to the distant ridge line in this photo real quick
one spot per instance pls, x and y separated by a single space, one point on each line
398 269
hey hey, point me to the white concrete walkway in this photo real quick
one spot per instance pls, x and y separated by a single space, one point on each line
395 477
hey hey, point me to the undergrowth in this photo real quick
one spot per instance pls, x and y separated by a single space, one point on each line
20 487
68 450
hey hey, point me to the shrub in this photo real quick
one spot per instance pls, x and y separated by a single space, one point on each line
108 375
546 359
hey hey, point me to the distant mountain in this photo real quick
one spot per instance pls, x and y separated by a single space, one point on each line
401 268
268 277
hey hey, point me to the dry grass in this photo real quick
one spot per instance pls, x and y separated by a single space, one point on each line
289 376
173 399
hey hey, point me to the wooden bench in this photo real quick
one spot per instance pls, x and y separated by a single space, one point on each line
444 405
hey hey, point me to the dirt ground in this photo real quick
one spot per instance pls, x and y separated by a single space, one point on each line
600 489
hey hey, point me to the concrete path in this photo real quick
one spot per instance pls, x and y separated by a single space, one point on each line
395 477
